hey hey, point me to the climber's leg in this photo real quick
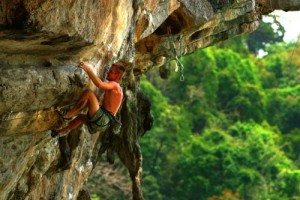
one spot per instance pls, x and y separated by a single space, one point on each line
88 99
80 119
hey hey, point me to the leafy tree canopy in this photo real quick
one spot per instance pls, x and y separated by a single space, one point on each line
264 35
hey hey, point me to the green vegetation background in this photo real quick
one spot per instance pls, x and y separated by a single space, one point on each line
230 130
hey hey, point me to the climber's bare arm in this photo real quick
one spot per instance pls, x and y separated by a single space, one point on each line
95 79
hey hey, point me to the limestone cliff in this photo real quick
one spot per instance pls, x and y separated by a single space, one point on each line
41 42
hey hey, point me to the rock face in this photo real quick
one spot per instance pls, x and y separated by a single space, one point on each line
41 42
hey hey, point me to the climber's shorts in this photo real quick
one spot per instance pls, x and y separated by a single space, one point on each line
100 121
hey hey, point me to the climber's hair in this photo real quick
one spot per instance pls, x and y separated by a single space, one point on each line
120 66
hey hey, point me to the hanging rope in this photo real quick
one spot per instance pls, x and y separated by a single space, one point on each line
178 59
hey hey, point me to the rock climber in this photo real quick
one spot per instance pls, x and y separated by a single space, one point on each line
99 117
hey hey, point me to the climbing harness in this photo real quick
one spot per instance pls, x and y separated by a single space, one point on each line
177 59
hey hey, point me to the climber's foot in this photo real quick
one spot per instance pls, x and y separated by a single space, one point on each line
54 133
63 116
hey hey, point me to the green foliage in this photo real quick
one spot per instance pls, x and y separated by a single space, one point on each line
95 197
229 87
219 78
283 108
264 35
246 158
283 63
109 182
291 145
244 67
171 117
152 189
161 145
233 152
249 103
201 66
236 44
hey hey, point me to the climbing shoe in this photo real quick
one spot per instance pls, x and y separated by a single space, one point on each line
61 114
54 133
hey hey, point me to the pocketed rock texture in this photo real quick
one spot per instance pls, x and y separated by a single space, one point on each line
41 43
